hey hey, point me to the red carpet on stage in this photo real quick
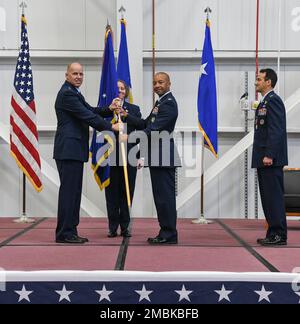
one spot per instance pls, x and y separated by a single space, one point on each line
225 245
215 263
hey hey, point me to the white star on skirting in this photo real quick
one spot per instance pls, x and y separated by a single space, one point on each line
23 294
202 69
64 294
144 293
104 294
263 294
298 293
224 294
183 293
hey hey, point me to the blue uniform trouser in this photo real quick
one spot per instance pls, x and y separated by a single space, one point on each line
69 198
116 197
163 187
272 198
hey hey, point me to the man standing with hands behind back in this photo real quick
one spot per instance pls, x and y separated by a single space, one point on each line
71 150
269 156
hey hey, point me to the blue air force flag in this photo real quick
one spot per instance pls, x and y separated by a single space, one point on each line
123 60
103 145
207 96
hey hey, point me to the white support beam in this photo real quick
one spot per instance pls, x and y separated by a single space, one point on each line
52 175
229 157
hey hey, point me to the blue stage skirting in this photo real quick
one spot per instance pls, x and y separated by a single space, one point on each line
165 288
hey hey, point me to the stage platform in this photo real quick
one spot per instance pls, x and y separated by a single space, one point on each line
226 246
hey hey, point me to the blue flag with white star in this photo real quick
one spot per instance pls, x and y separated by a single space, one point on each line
102 145
123 69
207 96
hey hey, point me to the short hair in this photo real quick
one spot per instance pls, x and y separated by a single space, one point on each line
70 65
165 74
127 90
270 75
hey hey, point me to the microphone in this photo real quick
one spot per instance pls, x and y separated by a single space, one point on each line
244 101
245 95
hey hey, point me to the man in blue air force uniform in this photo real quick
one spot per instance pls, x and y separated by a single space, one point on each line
270 156
71 150
162 157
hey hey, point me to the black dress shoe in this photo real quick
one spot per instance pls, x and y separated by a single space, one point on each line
71 240
112 234
126 233
160 240
260 240
85 239
150 239
273 241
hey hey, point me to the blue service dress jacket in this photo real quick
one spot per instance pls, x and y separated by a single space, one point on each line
74 116
162 119
270 136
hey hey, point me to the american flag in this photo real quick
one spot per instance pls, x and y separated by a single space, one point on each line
23 130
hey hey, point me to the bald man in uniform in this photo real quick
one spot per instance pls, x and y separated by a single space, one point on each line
163 157
71 150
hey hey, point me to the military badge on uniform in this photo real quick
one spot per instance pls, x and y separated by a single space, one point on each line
262 112
154 113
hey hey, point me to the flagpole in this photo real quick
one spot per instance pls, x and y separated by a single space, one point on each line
23 218
125 169
23 5
202 182
153 49
122 11
279 46
202 220
256 98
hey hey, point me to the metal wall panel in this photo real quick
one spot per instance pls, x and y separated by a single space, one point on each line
8 38
78 25
56 24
